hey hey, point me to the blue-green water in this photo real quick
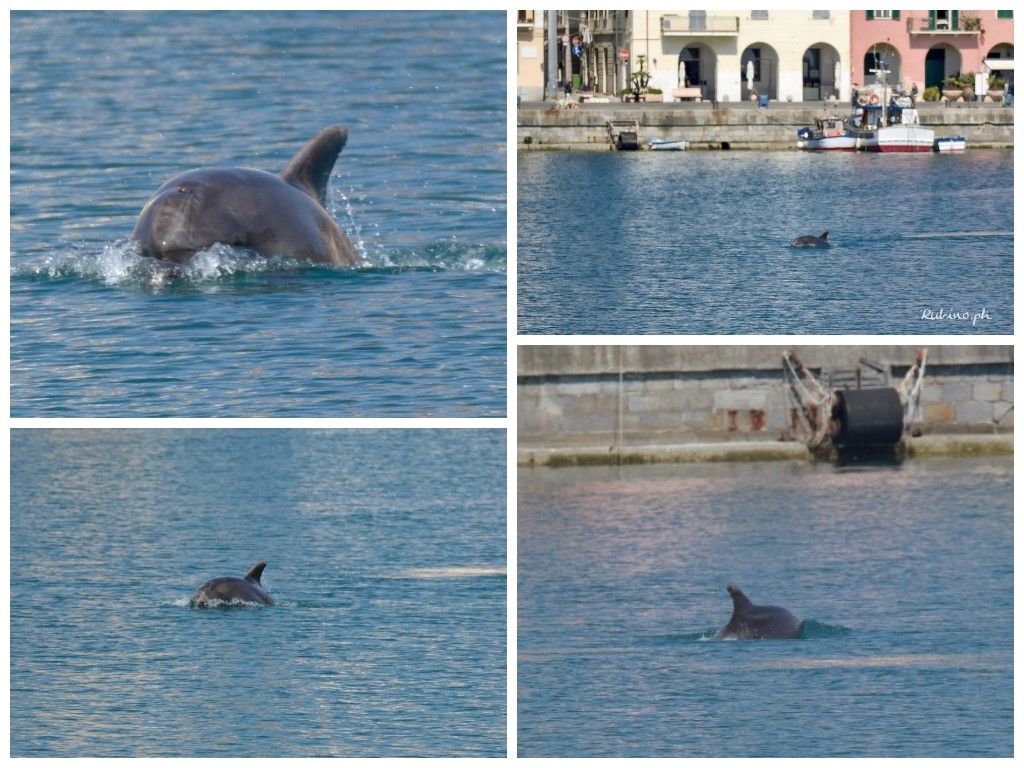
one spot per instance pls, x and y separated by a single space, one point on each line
698 242
903 577
386 559
105 107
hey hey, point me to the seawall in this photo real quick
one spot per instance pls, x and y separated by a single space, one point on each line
585 404
709 126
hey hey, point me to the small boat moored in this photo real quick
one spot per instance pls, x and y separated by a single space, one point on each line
950 144
828 134
667 144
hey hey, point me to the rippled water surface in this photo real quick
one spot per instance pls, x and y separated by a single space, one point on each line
105 107
386 561
698 242
903 578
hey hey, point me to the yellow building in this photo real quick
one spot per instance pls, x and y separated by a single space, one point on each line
728 55
530 55
736 55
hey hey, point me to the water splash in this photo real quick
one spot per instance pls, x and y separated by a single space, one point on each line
121 263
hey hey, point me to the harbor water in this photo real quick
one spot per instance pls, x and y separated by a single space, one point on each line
387 566
699 242
902 575
106 107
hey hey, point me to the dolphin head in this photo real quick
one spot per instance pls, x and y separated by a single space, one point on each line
189 213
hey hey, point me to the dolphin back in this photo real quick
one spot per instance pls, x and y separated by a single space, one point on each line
310 169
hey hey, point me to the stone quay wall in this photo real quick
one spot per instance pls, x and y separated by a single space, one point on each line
736 127
606 400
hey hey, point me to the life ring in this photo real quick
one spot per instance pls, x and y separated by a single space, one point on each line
862 101
874 99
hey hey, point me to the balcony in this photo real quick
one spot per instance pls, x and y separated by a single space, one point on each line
964 23
702 26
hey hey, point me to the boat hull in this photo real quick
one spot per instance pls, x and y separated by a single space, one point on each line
664 145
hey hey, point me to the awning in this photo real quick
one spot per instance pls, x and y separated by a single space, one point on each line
994 64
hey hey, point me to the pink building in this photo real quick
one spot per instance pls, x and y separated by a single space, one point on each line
926 47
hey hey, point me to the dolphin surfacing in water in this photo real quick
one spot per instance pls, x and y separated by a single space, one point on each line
810 241
275 215
232 589
758 622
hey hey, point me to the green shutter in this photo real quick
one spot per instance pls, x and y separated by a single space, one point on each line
871 15
896 15
1004 14
955 23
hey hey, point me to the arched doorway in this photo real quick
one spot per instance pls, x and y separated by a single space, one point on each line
821 72
765 69
1001 52
939 63
882 61
697 68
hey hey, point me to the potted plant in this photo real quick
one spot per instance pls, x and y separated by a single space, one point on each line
995 88
967 85
951 90
639 79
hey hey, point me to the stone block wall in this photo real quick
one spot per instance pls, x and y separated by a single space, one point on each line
621 396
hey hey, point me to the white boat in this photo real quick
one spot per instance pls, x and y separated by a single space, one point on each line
828 134
889 129
667 144
950 144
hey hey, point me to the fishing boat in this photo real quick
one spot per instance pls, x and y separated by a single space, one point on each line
667 144
950 144
889 128
828 134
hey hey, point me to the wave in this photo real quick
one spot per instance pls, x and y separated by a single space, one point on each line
812 630
121 263
453 572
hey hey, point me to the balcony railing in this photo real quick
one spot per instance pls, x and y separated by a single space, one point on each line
700 25
958 23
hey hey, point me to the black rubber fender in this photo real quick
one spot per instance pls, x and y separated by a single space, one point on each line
868 417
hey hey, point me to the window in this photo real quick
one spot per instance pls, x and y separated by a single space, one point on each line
820 14
1004 14
762 15
894 15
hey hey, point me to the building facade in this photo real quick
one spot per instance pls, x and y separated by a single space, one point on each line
923 48
791 56
736 56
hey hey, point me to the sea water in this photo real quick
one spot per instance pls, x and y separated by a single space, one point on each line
903 576
699 242
105 107
385 558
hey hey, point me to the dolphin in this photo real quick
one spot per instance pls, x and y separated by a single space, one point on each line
280 215
758 622
232 589
810 241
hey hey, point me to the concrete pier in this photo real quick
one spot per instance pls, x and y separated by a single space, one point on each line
585 404
736 126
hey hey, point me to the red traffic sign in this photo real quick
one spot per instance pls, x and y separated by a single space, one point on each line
577 40
623 55
565 39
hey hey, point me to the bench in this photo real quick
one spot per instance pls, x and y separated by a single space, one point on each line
693 92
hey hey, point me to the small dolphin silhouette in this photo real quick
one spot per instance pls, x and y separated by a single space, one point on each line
234 589
810 241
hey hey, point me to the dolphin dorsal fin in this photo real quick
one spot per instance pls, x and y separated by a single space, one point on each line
824 235
739 600
310 169
256 572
